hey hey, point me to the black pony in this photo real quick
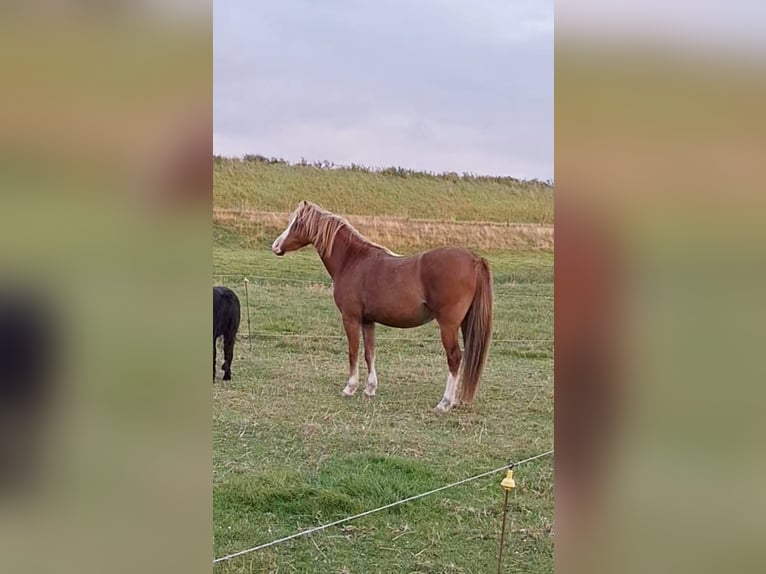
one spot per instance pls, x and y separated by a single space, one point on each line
226 325
30 343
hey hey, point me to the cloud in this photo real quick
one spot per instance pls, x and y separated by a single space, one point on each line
423 85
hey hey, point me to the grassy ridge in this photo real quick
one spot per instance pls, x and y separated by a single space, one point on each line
240 184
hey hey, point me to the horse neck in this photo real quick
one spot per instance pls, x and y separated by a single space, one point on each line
346 248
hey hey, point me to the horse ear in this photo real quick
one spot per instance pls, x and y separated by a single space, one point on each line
303 203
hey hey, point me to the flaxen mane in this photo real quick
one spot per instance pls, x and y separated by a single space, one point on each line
322 227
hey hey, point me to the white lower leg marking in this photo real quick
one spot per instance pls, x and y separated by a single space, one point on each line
449 392
353 380
448 400
372 381
452 386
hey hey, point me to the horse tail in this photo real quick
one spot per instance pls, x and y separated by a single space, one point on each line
477 332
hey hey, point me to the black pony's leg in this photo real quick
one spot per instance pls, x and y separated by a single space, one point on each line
214 358
228 356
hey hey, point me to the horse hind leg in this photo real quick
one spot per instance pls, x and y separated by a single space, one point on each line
454 356
228 356
368 333
215 357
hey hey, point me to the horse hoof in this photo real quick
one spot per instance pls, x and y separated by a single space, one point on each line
442 407
369 392
349 392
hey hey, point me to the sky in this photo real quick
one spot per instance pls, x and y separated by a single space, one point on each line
437 85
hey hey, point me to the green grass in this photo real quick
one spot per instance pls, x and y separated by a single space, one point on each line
291 453
262 186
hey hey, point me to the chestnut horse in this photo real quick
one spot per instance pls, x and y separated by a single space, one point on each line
373 285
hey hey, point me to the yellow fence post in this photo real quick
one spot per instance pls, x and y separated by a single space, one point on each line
507 484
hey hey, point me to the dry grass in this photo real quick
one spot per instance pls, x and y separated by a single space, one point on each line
403 232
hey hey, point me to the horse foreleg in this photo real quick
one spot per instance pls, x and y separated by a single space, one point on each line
352 333
454 355
368 333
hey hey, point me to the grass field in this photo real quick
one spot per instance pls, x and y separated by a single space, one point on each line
291 453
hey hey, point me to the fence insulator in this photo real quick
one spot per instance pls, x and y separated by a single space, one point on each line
507 484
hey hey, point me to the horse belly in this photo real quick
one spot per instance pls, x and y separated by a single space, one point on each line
396 310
